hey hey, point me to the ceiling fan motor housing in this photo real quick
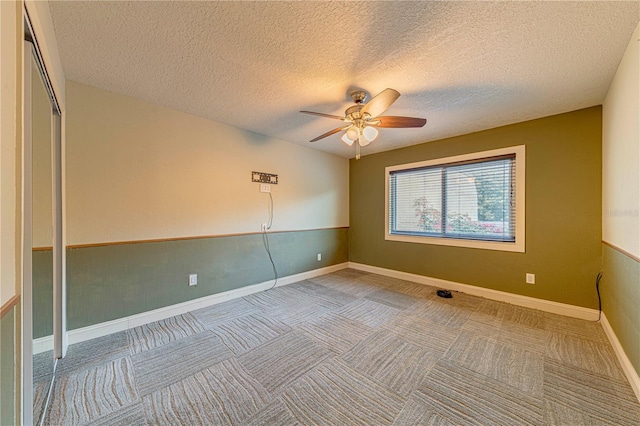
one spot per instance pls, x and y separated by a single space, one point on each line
353 113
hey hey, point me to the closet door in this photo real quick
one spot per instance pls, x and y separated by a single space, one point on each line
42 257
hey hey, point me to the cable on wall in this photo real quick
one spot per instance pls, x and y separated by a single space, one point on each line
598 278
265 240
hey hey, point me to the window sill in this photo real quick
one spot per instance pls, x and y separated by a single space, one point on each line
454 242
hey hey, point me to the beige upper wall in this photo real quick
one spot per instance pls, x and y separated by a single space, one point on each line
621 153
10 68
138 171
41 122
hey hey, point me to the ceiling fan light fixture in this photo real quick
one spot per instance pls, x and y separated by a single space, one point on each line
370 133
350 136
345 139
363 141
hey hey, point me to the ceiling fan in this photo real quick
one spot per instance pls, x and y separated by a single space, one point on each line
363 118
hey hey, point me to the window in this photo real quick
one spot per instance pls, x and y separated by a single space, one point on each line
474 200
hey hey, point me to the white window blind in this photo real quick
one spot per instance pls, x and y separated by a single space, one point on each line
465 200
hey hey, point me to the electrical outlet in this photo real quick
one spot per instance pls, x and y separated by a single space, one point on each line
530 278
265 187
193 279
319 257
263 227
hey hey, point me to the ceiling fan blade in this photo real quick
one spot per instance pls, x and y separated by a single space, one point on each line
336 117
329 133
400 122
380 102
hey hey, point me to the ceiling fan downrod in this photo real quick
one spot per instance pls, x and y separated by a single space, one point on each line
358 96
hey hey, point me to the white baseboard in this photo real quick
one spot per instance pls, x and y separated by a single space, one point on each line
501 296
105 328
627 367
42 344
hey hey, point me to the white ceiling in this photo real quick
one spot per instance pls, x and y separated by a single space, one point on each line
465 66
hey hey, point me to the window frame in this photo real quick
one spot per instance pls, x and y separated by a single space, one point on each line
517 246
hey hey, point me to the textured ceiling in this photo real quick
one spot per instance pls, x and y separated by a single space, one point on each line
465 66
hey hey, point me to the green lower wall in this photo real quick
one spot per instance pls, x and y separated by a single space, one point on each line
620 289
42 265
114 281
563 212
7 368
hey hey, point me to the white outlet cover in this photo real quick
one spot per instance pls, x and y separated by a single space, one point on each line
319 257
193 279
530 278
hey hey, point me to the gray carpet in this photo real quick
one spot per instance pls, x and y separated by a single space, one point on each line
348 348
